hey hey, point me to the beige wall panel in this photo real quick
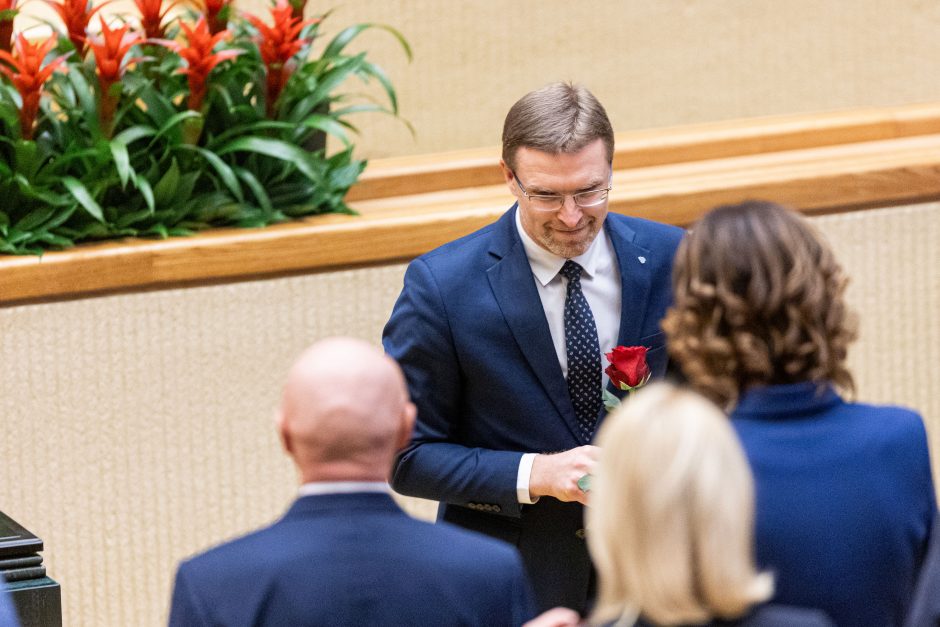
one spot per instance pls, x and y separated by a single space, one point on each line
893 259
136 428
652 64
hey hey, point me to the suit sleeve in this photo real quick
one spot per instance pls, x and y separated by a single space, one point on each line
185 607
436 465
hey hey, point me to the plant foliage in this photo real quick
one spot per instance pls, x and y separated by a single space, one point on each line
207 120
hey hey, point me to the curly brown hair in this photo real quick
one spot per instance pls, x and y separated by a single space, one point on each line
759 300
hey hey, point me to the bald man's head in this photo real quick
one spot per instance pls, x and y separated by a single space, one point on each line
345 412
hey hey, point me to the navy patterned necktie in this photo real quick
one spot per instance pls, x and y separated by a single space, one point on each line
584 353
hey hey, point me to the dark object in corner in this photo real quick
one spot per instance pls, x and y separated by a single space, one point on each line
38 599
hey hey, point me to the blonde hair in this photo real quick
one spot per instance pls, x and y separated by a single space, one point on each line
758 300
671 515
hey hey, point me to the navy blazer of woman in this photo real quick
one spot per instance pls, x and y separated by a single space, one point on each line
845 499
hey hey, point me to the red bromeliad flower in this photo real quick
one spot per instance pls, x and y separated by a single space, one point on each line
7 13
152 13
217 14
76 14
110 63
28 75
297 8
200 60
278 44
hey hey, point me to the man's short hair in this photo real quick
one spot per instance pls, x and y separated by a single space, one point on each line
557 118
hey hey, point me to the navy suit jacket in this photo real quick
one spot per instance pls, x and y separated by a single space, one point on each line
471 335
768 615
925 608
845 500
353 559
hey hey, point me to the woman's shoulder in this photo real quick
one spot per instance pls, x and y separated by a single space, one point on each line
765 615
773 615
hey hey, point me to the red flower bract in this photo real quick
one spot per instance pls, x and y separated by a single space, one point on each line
110 62
278 44
25 70
7 12
75 15
152 13
217 13
628 368
200 60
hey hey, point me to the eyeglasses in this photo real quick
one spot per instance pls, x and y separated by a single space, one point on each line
554 202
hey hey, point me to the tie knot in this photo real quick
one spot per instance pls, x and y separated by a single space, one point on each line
571 271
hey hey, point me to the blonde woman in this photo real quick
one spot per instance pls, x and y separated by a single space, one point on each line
670 519
845 499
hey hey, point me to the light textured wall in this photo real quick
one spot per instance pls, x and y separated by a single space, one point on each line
136 429
652 64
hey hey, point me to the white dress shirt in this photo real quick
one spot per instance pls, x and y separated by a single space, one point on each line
600 283
316 488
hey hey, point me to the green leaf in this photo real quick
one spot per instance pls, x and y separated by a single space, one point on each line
165 189
55 240
336 45
222 169
379 74
611 402
174 121
133 133
80 192
143 186
122 161
274 148
34 219
256 188
327 124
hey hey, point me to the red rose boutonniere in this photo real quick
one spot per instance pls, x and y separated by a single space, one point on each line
628 371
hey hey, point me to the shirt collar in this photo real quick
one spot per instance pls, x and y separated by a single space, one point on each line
546 265
316 488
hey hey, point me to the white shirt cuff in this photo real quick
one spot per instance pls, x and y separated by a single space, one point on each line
522 479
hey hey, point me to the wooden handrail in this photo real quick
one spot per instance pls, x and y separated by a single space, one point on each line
404 176
831 170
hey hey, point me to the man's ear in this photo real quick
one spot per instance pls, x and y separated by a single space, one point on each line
281 425
508 176
406 425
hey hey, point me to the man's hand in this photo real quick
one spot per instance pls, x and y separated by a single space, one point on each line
557 474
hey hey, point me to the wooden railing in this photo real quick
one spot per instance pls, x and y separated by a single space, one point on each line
817 163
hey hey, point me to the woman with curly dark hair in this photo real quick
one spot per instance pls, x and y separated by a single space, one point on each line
845 498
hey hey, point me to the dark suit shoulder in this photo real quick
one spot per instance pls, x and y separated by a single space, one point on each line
774 615
650 234
770 615
478 241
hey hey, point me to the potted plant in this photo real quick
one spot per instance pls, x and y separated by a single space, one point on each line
209 119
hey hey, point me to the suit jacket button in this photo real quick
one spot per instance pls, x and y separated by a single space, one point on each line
580 533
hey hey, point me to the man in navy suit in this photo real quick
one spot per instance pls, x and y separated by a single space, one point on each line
500 335
345 554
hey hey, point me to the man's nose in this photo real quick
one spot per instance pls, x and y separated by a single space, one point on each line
570 213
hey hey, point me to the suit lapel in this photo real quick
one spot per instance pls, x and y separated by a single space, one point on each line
635 283
514 289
